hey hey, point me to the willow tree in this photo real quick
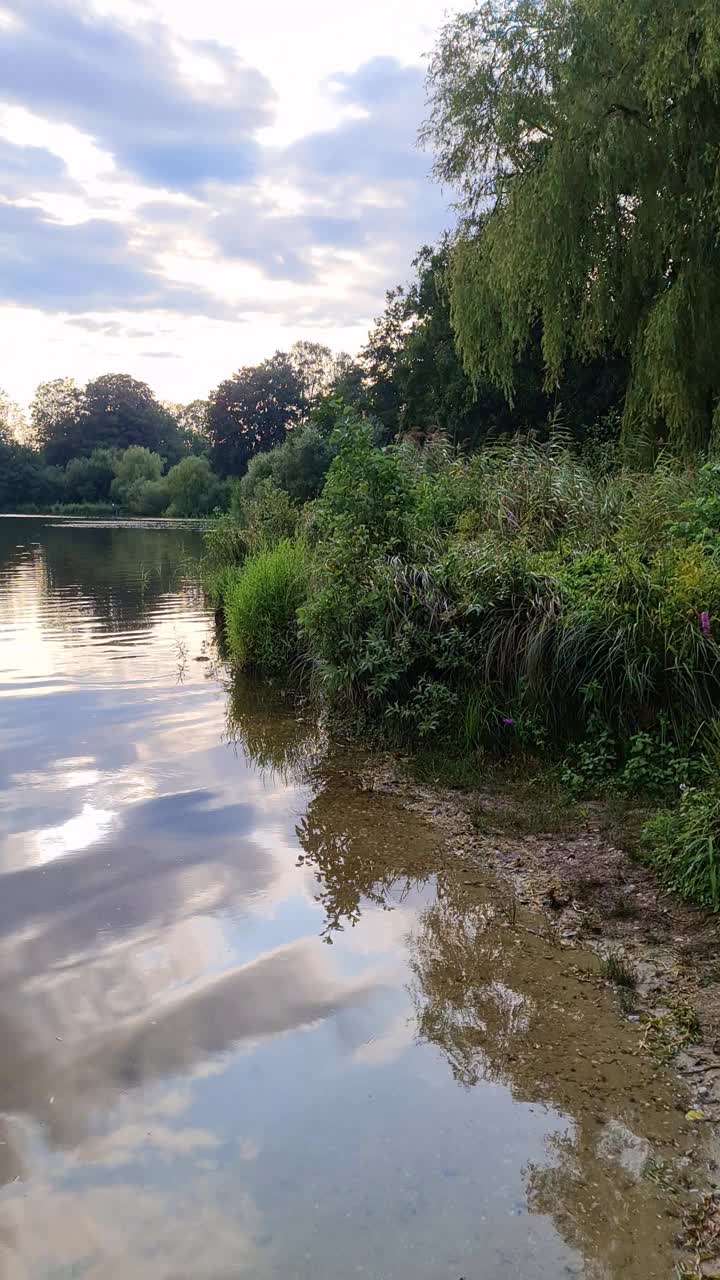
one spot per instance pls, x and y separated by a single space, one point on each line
583 138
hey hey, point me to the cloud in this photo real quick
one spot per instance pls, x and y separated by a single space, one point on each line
361 187
85 266
381 144
25 170
125 86
202 221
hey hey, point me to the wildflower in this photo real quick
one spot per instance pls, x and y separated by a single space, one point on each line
705 622
508 720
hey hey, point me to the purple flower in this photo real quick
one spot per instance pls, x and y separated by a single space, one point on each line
705 622
508 720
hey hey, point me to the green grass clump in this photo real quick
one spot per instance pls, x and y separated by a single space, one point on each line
683 845
261 601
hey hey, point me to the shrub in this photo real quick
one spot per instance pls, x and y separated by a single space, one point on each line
226 544
151 498
90 479
261 605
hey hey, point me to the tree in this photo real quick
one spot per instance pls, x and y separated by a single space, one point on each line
252 411
13 425
120 412
135 471
112 412
317 369
298 466
192 487
416 383
90 479
589 132
192 424
56 415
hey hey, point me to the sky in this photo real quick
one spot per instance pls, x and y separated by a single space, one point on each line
187 186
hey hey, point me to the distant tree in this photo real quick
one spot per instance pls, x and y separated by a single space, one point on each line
13 424
298 466
114 411
192 424
22 483
582 138
252 411
120 412
135 469
192 487
90 479
56 416
21 479
318 370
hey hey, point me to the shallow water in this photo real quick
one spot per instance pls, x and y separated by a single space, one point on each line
194 1085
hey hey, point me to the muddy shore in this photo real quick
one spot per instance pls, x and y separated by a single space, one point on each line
660 954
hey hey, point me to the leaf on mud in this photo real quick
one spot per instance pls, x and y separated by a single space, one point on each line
695 1114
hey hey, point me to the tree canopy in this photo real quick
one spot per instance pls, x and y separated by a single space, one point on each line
252 411
113 411
583 138
415 382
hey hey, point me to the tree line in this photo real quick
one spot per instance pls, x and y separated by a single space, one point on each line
409 379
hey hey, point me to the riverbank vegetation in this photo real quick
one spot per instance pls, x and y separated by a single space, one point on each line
497 537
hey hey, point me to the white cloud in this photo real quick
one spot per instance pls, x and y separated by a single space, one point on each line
268 189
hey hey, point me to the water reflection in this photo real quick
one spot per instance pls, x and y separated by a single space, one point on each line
502 1004
192 1085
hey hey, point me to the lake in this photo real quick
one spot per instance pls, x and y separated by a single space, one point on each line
255 1019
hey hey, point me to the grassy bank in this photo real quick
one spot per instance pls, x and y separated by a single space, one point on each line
525 605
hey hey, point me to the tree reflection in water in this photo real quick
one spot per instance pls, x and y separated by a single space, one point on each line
503 1004
495 994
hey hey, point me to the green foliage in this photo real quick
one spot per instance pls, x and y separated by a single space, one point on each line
261 603
112 412
268 518
135 469
226 543
699 515
415 381
192 488
252 411
298 466
90 479
683 845
590 129
515 603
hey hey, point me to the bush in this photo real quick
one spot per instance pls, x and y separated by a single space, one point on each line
151 498
90 479
269 518
261 603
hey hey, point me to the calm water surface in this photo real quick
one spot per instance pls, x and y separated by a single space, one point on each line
194 1085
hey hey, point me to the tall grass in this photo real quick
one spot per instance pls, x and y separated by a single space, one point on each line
261 602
